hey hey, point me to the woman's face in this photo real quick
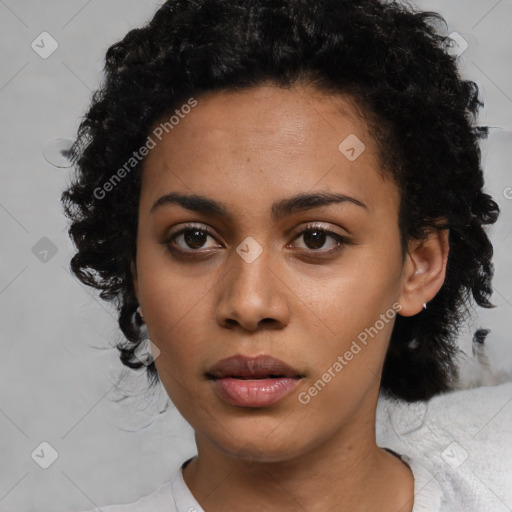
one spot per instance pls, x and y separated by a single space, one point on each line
258 283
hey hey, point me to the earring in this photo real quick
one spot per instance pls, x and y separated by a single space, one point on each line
139 311
424 305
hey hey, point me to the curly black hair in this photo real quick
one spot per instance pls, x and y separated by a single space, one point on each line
389 57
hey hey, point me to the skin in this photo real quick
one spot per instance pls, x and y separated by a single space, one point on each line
247 150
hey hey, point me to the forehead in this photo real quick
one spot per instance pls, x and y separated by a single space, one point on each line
266 141
295 120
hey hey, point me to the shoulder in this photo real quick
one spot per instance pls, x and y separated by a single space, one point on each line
172 496
160 500
457 444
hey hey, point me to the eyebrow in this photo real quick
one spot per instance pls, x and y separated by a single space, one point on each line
280 209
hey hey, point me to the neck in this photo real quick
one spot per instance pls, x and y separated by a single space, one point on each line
348 471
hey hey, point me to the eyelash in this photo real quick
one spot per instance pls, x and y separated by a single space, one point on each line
341 241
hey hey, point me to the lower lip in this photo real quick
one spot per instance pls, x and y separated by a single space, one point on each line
254 392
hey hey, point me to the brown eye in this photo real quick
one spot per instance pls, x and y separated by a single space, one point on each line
316 237
189 238
195 238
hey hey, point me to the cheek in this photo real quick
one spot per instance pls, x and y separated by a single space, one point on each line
176 325
182 341
168 290
357 294
176 309
347 356
356 308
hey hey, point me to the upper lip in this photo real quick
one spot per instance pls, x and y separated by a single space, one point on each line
258 367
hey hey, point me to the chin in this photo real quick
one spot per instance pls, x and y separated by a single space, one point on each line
257 448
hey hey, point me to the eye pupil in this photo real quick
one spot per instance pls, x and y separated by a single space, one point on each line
317 236
195 238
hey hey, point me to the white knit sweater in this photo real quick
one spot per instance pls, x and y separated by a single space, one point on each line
458 445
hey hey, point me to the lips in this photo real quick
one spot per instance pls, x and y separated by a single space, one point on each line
253 381
259 367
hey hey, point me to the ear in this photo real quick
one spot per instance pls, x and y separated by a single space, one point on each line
424 271
135 280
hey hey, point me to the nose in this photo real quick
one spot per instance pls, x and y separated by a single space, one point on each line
252 295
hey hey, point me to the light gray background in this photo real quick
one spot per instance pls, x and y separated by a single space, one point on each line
57 370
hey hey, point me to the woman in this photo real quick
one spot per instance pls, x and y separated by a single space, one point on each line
288 194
